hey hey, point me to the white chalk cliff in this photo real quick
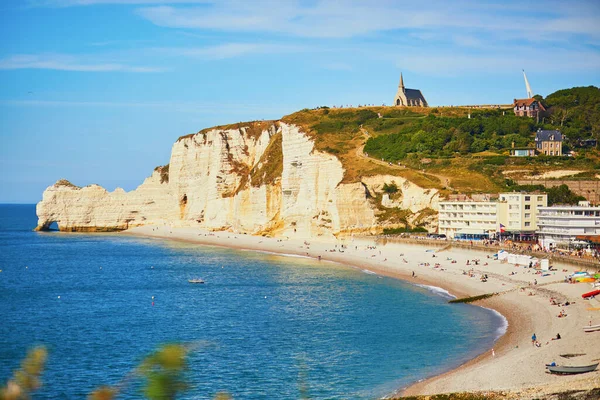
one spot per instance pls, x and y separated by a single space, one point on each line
263 178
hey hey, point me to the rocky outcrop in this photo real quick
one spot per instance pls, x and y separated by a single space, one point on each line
260 178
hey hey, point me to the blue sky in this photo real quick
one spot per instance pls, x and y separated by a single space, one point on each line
97 91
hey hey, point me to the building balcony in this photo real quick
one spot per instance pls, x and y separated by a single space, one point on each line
579 223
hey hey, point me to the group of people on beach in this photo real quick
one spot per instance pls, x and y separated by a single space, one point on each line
536 343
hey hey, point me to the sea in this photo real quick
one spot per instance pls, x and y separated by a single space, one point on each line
263 326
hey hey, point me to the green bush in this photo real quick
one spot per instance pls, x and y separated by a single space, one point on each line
391 188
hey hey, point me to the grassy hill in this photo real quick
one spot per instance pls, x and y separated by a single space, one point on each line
446 149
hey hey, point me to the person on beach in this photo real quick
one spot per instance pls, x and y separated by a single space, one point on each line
413 274
533 339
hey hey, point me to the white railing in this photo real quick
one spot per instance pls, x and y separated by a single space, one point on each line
553 222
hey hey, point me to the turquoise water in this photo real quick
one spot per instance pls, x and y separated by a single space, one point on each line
267 325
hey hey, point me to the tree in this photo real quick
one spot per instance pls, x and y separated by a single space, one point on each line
562 195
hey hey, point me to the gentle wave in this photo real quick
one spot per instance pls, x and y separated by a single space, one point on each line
437 290
274 253
366 271
501 330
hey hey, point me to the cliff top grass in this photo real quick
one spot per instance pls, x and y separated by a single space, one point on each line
343 132
64 182
253 128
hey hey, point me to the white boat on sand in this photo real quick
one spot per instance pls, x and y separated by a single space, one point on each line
591 328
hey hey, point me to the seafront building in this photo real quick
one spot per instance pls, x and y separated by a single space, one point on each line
519 218
511 215
566 226
471 218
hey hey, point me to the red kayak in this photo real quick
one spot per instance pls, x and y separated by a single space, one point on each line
590 294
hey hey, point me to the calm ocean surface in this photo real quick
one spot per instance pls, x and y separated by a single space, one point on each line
270 326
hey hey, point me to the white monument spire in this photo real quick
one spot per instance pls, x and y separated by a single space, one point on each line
529 91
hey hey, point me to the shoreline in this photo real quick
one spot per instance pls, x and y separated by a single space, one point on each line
516 365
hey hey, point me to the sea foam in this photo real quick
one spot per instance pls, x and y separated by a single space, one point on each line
501 330
437 290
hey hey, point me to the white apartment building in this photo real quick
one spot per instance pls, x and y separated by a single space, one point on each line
514 214
559 226
521 211
468 219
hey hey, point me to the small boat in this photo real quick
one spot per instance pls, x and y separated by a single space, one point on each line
572 370
195 280
591 328
591 294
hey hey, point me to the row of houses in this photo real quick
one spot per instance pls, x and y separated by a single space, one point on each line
518 216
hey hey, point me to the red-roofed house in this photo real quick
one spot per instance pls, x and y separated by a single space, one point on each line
528 107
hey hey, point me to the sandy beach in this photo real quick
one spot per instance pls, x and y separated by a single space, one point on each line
514 364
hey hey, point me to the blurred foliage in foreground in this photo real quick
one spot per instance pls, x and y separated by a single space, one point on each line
27 378
163 374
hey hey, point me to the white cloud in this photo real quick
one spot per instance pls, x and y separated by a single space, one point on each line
502 60
351 18
231 50
467 41
73 3
66 63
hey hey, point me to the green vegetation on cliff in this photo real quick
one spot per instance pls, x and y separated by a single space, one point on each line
270 166
575 111
342 132
556 195
435 136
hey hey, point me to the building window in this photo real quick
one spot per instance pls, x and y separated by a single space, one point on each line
540 198
527 206
527 223
527 215
527 198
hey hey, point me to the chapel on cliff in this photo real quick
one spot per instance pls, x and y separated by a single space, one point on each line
409 97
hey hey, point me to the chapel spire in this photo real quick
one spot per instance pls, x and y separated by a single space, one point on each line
401 85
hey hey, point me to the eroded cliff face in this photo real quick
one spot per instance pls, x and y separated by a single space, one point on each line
263 178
